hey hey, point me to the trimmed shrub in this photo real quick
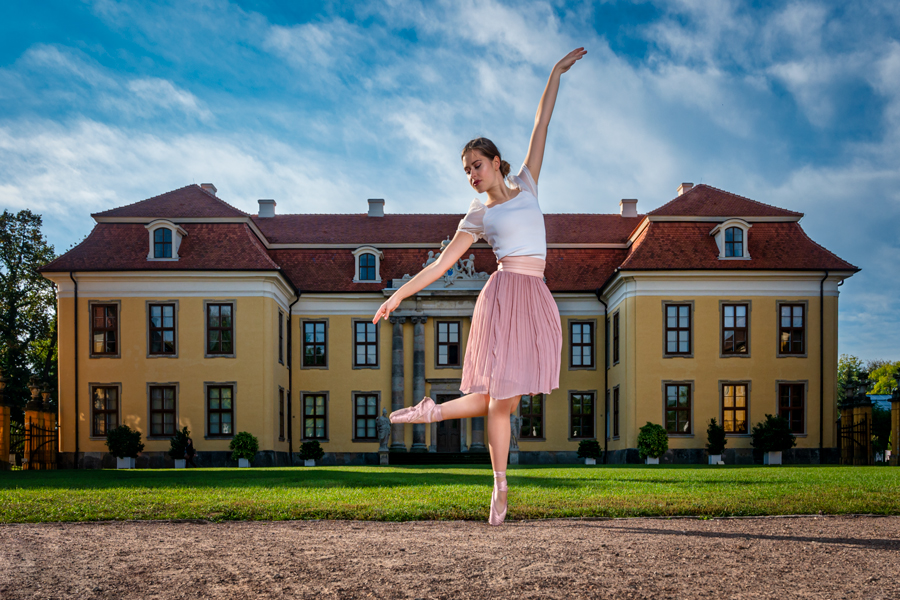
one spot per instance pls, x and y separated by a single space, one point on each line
589 449
653 441
311 450
715 438
178 444
124 442
773 435
244 445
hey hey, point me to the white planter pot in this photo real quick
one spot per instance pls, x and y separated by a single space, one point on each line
243 463
651 461
590 461
124 463
308 462
180 463
772 458
714 459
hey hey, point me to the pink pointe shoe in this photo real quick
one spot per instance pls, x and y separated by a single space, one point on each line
425 411
498 506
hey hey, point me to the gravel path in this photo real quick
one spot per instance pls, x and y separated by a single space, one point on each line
786 557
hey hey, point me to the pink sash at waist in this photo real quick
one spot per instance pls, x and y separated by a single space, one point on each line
524 265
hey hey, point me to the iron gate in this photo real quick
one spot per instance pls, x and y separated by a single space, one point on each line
855 443
35 446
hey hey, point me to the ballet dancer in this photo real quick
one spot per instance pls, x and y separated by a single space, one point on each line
515 341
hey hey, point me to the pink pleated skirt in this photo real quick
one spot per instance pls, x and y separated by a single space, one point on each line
515 342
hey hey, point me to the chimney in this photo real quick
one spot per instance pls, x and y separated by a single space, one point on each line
266 209
376 207
628 207
209 188
684 187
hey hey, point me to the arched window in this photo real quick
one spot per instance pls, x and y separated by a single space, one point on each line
734 242
367 267
162 243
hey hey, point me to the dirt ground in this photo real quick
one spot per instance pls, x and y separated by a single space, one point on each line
785 557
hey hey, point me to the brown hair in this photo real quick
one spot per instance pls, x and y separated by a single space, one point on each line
488 149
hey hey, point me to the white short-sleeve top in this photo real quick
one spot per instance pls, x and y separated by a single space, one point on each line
514 227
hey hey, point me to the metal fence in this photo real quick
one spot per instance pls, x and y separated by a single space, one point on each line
856 443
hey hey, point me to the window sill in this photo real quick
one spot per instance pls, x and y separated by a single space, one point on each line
320 440
315 367
219 356
738 435
735 355
105 356
691 355
531 439
574 368
578 439
734 258
366 280
370 367
162 356
450 367
804 355
154 259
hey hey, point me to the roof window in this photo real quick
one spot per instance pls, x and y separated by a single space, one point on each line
368 265
731 238
165 239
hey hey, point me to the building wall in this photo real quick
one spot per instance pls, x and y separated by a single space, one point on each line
255 370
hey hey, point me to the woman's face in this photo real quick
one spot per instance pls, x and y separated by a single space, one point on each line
481 171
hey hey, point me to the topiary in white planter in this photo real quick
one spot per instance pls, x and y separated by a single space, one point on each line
714 459
650 460
308 462
124 463
244 447
652 442
243 463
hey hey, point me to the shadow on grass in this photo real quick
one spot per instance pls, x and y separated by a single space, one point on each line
571 478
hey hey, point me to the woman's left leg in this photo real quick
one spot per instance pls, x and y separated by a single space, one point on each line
498 443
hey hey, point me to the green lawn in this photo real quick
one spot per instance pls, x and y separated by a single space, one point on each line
404 493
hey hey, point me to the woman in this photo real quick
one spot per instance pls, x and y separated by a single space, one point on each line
515 340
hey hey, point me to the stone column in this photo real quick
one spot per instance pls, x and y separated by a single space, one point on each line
397 384
418 444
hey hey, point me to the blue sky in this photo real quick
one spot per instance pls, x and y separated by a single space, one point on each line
323 105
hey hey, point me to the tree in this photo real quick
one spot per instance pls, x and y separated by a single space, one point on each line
882 377
850 374
27 306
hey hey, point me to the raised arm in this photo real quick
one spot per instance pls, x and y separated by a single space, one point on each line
535 155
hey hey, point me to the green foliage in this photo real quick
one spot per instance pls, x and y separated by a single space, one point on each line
244 445
178 444
653 441
882 377
851 373
881 428
124 442
311 450
27 306
773 435
715 438
589 449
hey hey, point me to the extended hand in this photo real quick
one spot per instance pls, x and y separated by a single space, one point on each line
569 59
389 306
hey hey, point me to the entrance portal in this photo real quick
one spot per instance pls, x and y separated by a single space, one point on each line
448 432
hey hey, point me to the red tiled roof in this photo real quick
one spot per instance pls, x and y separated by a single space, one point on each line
706 201
207 246
772 246
331 270
191 201
430 229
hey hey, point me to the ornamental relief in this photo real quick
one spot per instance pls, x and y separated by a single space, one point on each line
463 270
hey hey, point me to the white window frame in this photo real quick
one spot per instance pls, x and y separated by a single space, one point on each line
379 255
719 232
177 234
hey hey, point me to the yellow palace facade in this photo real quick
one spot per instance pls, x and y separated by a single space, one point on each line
182 311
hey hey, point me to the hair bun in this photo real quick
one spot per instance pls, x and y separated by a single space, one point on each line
504 168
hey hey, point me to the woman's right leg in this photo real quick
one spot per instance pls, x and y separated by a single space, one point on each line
465 407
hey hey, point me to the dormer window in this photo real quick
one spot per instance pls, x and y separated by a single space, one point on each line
162 243
165 239
731 238
734 242
368 265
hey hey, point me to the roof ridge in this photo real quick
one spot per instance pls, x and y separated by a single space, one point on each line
436 214
258 245
144 200
712 187
214 197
